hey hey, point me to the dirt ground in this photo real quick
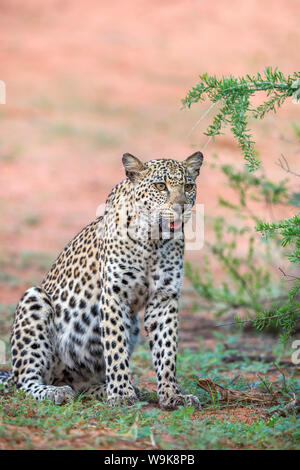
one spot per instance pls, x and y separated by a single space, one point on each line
88 81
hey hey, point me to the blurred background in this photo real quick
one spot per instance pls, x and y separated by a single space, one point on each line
88 81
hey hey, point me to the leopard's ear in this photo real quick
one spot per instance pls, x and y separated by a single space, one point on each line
193 164
133 166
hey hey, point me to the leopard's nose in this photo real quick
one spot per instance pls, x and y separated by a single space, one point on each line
180 200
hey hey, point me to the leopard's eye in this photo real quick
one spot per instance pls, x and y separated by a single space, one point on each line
160 186
188 187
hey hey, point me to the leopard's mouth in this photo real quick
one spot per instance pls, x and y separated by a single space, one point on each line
176 225
167 225
174 221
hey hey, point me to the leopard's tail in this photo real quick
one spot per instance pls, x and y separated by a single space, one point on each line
5 378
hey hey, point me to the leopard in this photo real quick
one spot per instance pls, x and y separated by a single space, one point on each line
74 333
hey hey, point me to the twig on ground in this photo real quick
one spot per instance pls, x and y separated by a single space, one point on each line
267 387
283 378
255 397
238 396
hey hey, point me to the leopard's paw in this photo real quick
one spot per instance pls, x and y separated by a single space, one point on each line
174 401
191 400
123 397
60 395
117 400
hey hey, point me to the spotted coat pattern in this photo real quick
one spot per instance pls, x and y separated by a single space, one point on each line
76 331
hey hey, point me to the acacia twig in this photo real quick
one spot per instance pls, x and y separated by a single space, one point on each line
285 166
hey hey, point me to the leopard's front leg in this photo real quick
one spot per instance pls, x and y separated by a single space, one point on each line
115 329
161 323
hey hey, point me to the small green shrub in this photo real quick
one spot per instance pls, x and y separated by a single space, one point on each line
233 95
248 283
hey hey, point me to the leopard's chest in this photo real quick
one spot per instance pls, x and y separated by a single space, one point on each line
146 272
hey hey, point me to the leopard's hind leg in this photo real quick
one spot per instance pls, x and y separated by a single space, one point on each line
99 391
5 380
94 390
33 348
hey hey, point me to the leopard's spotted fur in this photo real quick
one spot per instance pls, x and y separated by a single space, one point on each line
77 330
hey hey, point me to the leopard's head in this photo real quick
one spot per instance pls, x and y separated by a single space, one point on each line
164 189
